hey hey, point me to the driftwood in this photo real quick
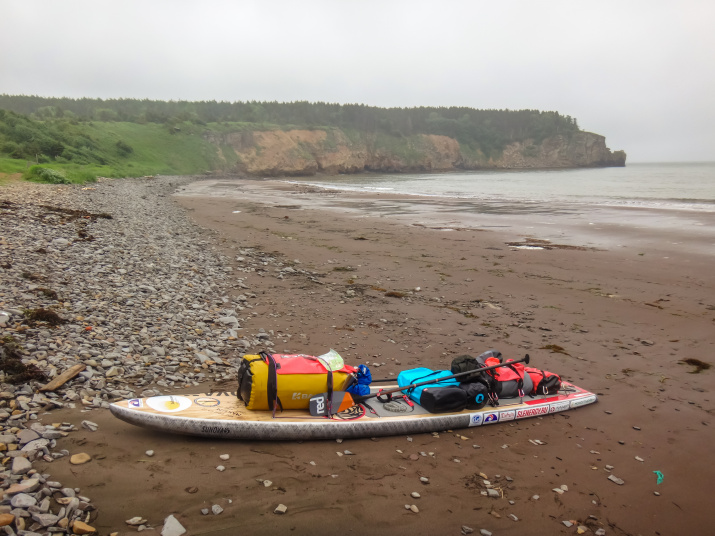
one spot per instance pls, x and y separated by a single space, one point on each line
63 378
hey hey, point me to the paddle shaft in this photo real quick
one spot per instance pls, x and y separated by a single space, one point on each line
525 359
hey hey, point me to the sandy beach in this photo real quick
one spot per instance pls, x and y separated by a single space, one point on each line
620 321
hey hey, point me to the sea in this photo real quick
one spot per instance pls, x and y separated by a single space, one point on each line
677 186
668 206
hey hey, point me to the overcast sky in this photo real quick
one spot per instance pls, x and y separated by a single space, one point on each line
640 72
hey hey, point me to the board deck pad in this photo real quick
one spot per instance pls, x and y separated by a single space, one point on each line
223 415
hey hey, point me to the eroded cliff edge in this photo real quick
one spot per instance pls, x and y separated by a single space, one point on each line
332 151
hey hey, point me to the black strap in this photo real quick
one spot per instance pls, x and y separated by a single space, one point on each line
418 380
330 384
272 383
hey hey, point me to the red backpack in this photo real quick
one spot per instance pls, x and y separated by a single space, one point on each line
545 382
512 381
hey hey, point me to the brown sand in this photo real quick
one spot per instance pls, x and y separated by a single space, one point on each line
625 318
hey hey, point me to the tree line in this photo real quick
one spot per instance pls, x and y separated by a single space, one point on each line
486 130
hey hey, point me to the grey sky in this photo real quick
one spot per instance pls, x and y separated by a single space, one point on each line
642 73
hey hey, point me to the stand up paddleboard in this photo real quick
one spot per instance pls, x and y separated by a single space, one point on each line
223 415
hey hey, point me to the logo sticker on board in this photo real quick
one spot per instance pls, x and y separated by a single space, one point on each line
559 406
135 403
475 419
532 412
207 402
491 417
507 415
583 401
168 403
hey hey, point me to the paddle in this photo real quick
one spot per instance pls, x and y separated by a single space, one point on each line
324 404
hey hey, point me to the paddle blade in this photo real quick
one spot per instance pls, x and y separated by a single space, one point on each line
341 400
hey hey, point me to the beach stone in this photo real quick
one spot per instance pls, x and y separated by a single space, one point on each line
172 527
25 436
414 509
20 465
216 509
80 527
79 459
23 500
6 519
149 453
415 495
205 511
424 480
485 532
89 425
8 438
220 468
280 509
467 530
24 486
616 480
46 519
135 521
225 457
491 492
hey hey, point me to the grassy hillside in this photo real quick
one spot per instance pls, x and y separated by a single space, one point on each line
83 151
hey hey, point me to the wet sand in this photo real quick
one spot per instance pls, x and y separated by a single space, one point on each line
617 320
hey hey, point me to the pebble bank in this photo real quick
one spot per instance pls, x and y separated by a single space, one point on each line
112 286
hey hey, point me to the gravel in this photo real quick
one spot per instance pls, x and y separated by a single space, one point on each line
115 277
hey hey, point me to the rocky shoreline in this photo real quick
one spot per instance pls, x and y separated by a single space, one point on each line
117 287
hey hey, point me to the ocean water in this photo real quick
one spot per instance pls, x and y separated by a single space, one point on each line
679 186
665 207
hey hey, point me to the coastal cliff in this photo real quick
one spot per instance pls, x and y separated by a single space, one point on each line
332 151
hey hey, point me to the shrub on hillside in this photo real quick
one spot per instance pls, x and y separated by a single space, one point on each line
124 149
47 175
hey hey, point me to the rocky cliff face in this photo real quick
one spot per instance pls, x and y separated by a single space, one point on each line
307 152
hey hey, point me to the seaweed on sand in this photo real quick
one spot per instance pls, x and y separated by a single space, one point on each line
555 349
44 315
13 367
699 365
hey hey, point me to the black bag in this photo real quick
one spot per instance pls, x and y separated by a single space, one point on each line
477 394
443 399
465 363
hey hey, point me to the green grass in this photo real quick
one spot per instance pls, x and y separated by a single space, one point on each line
12 165
155 149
